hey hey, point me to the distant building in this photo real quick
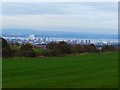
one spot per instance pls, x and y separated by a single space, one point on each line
31 37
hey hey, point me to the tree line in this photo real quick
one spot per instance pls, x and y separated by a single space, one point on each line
52 49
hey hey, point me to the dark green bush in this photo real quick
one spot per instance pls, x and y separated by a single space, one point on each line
50 53
6 50
90 48
25 50
64 48
77 49
27 53
107 48
59 48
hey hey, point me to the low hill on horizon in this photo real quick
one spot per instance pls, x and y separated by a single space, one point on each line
55 34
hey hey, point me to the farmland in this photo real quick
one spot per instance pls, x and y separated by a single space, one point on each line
73 71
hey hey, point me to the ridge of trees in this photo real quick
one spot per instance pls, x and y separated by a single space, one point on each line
52 49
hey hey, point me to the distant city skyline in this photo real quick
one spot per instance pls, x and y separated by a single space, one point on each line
88 17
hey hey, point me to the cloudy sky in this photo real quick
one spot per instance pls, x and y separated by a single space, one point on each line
63 16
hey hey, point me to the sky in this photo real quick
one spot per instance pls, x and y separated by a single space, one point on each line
88 17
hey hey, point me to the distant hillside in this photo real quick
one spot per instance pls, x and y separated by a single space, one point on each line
57 34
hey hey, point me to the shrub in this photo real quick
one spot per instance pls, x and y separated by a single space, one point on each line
26 50
77 49
6 50
59 48
46 53
26 46
27 53
50 53
52 45
14 49
54 53
90 48
108 48
64 48
39 51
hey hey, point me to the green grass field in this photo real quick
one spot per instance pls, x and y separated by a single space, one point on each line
80 71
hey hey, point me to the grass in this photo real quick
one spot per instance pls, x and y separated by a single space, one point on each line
79 71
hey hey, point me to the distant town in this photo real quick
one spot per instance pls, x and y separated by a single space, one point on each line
43 41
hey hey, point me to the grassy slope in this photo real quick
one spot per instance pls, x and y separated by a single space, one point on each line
90 70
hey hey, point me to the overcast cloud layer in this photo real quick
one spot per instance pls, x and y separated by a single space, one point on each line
78 17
